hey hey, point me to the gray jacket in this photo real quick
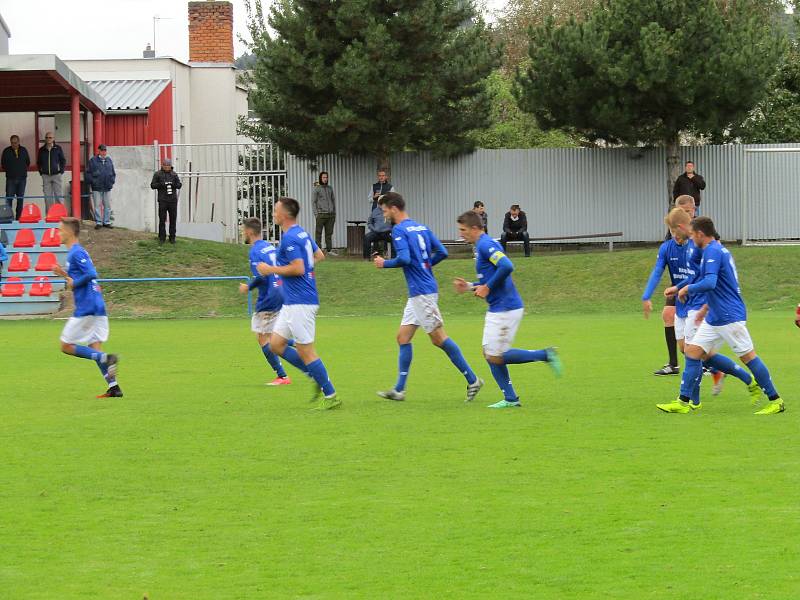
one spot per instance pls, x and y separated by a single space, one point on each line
376 222
323 200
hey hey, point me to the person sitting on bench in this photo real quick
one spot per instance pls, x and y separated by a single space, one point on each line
515 229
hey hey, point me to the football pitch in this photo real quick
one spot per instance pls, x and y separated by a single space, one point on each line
203 483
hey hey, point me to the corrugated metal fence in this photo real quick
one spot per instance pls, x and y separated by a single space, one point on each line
569 191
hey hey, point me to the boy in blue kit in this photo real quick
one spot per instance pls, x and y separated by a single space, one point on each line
418 251
725 321
297 254
505 309
87 329
270 297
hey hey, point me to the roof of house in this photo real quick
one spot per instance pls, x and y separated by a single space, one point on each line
129 94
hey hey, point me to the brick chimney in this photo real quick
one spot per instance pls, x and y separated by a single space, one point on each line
211 32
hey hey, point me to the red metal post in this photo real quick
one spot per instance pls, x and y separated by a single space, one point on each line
75 146
97 131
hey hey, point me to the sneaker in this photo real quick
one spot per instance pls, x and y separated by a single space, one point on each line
113 392
473 389
719 379
679 406
328 403
333 252
667 370
112 363
774 407
172 241
393 394
755 392
697 406
108 226
506 404
280 381
98 226
554 361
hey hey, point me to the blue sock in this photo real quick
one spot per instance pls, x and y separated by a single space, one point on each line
515 356
403 366
291 356
696 393
720 362
761 373
503 379
90 353
273 361
692 373
290 343
320 375
454 352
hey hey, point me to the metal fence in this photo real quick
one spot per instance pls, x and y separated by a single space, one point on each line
568 191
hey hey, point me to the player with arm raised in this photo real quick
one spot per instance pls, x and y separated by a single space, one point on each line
418 251
86 331
505 310
297 255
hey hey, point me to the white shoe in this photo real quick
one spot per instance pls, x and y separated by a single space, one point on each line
393 394
333 253
473 389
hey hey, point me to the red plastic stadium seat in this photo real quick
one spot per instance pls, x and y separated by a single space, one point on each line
30 214
41 287
47 262
12 288
19 262
56 212
51 238
24 239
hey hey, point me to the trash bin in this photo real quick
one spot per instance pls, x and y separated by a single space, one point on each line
355 237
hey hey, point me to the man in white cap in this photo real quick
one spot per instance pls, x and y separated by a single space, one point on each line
167 182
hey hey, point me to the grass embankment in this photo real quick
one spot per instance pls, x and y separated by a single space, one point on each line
590 283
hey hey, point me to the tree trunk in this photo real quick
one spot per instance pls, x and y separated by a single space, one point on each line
673 163
383 164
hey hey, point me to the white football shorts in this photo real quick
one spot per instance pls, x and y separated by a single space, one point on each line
263 322
298 322
85 330
499 329
423 311
711 337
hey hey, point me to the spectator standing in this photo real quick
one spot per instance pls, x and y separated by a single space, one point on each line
15 162
515 228
51 162
101 176
378 229
167 183
481 210
691 184
323 202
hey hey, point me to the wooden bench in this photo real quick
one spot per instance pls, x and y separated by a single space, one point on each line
589 236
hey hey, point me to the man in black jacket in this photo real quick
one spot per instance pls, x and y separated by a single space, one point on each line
515 228
15 162
51 161
689 183
167 182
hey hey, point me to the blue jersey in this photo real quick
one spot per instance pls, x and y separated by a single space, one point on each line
503 297
672 256
694 256
720 282
270 296
296 244
418 250
88 298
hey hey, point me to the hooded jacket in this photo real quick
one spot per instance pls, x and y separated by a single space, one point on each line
323 199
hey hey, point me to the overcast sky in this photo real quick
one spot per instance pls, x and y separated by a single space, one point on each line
75 29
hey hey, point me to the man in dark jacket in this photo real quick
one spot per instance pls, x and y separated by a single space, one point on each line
691 184
101 176
51 162
323 202
479 208
167 182
515 228
15 162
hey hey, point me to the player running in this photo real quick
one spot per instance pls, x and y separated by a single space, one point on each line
87 329
418 251
270 297
695 309
505 309
724 323
297 254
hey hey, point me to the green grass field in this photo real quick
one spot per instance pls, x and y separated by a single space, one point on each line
203 484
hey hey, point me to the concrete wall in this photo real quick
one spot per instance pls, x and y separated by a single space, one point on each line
132 200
